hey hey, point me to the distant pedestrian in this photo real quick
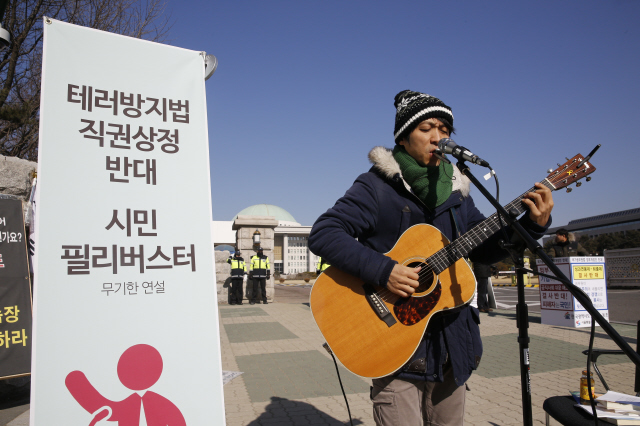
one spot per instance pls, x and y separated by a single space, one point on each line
238 271
565 245
482 272
259 274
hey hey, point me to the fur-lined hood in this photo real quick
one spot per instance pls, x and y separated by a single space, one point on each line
570 238
382 159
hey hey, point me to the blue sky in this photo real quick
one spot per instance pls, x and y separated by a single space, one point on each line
304 89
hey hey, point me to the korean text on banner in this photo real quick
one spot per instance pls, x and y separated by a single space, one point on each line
125 309
15 292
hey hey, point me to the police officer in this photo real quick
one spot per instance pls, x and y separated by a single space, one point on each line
260 273
238 271
322 265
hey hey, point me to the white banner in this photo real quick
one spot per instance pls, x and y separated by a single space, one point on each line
125 309
557 304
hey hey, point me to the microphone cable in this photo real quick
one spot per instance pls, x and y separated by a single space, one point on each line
328 349
589 386
500 221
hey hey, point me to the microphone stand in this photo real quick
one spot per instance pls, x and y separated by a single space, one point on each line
522 324
522 313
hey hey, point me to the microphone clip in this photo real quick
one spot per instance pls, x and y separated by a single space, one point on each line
440 156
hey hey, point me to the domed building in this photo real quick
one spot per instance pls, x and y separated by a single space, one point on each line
291 253
282 216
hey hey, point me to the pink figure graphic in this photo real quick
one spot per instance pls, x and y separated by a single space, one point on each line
139 368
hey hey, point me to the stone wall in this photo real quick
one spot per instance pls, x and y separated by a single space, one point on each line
223 272
16 176
244 239
622 267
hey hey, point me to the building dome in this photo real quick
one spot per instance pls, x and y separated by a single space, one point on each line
268 210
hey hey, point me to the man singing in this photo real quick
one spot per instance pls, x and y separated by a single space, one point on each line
409 185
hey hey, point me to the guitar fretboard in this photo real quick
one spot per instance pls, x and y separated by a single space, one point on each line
468 241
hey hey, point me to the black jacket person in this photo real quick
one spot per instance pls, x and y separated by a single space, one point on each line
238 270
565 245
260 273
406 186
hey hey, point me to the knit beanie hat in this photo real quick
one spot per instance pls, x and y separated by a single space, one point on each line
412 108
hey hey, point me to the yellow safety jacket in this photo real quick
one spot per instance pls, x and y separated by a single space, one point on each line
260 266
238 267
322 265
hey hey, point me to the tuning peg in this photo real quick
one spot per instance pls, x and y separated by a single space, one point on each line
579 184
589 179
569 189
549 171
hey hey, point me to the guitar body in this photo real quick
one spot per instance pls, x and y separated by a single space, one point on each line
363 342
374 332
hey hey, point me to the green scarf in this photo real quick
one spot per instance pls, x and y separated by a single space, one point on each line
432 184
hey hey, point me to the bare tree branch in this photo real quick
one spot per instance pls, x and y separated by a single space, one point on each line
21 64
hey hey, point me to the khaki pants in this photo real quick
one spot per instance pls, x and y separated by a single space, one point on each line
414 403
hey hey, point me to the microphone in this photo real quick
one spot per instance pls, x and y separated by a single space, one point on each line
448 146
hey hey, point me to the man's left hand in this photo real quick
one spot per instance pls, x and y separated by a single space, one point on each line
540 204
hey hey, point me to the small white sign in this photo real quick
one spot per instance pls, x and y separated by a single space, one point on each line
557 304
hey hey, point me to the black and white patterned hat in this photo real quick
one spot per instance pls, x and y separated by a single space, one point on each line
412 108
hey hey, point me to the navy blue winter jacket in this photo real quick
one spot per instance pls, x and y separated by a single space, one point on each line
377 210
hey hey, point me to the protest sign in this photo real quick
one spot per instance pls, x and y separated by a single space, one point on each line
15 292
557 304
125 309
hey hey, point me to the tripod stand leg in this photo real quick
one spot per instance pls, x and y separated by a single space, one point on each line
491 296
522 321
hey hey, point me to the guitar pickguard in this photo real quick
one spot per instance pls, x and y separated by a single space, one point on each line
411 310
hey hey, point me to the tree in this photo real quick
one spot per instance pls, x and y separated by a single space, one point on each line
589 244
618 240
21 63
504 264
631 240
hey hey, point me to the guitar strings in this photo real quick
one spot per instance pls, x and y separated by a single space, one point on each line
454 251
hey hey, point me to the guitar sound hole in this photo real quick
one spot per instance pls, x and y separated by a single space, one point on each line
427 278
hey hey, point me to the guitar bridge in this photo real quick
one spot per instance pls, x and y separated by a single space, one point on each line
378 305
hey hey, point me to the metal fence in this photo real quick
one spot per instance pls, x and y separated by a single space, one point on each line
623 267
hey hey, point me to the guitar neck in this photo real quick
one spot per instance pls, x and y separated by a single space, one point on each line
463 245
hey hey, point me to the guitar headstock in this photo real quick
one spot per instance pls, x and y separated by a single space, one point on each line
569 173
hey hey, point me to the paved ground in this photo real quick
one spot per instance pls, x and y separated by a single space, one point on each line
507 298
13 407
289 379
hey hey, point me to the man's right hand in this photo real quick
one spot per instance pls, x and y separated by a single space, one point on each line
403 280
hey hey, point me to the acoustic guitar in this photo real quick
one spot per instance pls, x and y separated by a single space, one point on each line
374 332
